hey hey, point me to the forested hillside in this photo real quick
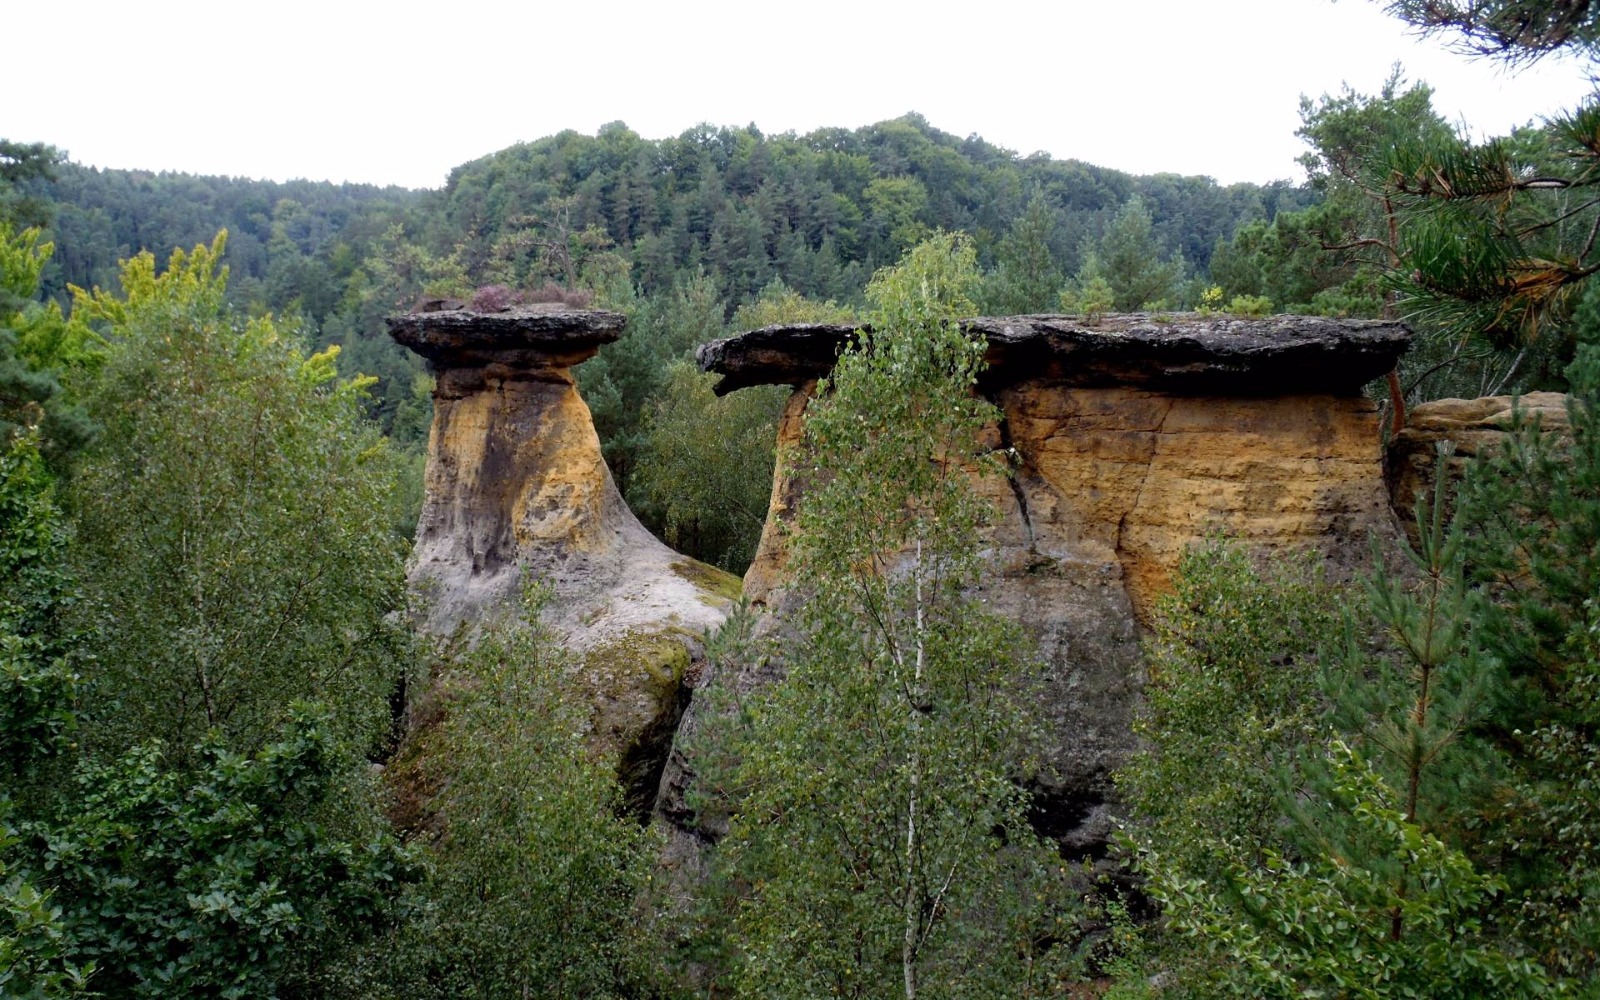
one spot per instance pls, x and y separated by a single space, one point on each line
820 212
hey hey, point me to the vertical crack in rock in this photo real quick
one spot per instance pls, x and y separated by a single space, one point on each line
1018 467
1126 558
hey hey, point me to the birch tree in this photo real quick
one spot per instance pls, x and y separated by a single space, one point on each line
881 844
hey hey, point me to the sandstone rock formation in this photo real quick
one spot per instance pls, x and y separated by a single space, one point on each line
516 488
1130 440
1473 427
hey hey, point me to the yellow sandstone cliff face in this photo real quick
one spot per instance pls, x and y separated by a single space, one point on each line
1135 477
513 465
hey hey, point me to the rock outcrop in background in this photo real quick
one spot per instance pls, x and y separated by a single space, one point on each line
1472 427
516 489
1129 440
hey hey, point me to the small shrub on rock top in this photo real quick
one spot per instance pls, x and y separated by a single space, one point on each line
577 298
494 298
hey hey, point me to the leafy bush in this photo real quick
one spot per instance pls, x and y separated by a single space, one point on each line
534 869
228 880
233 527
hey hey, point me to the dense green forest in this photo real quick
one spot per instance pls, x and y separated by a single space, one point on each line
210 473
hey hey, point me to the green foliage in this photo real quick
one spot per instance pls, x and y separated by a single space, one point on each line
231 875
1352 137
1090 294
778 303
1026 278
535 870
1249 305
1320 925
1231 703
1141 273
1497 232
32 949
36 346
1515 30
228 879
1534 514
1410 706
1427 816
1286 862
33 586
623 383
1240 305
20 163
1434 228
706 467
706 462
233 524
880 842
1285 262
37 685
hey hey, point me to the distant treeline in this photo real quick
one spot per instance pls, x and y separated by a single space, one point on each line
819 211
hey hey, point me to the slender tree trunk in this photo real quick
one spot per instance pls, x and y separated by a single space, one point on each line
1397 396
908 948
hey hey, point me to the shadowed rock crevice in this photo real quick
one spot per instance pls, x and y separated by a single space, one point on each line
1018 477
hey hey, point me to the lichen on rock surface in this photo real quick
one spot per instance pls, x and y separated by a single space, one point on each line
516 487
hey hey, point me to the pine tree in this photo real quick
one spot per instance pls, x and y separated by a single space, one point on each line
1026 278
1141 272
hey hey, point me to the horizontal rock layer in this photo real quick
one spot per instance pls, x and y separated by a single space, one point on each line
525 337
1177 353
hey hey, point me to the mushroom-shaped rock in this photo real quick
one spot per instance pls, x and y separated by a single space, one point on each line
1141 433
516 489
1129 440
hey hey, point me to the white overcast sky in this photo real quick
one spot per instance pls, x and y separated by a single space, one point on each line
400 92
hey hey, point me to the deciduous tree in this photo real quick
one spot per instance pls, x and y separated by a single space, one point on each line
233 525
881 838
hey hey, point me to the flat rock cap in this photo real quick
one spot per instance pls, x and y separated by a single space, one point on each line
539 335
1184 352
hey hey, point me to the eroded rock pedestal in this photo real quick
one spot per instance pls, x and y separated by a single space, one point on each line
516 488
1130 440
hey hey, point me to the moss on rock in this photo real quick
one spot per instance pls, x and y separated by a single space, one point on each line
710 579
639 693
